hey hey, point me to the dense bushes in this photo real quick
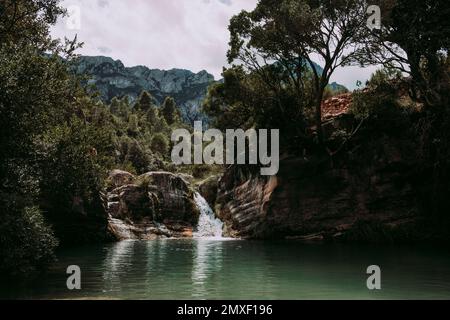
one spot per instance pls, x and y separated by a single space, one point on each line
141 134
380 103
27 242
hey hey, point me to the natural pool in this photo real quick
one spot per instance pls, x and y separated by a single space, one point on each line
233 269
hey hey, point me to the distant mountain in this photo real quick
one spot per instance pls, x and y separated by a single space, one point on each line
113 79
339 88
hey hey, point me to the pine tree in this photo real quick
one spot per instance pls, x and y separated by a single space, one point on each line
169 110
133 126
114 106
145 102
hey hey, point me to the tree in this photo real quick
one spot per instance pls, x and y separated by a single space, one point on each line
133 126
289 34
30 104
160 144
52 135
414 39
169 110
145 102
25 22
151 117
115 105
138 157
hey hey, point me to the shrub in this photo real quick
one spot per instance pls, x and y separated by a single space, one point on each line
26 241
200 171
160 144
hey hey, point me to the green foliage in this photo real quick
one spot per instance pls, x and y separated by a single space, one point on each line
27 21
26 241
160 144
169 110
278 40
414 39
200 171
138 157
133 125
75 159
244 100
141 136
56 141
120 107
379 103
145 102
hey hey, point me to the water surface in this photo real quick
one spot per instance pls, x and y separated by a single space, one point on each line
220 269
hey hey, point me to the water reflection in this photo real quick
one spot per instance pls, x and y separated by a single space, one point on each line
118 258
219 269
207 264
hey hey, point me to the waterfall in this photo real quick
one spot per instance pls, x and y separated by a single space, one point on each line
208 225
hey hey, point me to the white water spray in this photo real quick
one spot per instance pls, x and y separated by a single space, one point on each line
208 225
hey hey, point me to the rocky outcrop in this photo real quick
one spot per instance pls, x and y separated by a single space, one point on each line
367 190
336 106
113 79
156 204
208 189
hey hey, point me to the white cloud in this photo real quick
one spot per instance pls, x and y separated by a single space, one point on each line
165 34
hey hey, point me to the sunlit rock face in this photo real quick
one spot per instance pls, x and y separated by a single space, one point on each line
156 204
113 79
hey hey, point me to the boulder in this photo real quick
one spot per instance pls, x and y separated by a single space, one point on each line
156 204
208 189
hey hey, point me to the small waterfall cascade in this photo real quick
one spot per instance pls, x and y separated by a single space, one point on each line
208 225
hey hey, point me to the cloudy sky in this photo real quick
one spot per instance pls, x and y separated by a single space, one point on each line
163 34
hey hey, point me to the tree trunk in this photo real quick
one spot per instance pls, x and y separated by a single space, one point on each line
318 117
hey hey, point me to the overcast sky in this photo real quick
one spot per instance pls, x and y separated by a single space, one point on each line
164 34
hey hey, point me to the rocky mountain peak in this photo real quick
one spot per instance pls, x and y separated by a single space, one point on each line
113 79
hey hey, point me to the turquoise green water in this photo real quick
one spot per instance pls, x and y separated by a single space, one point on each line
208 269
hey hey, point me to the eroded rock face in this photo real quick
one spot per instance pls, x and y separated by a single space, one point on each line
369 190
156 204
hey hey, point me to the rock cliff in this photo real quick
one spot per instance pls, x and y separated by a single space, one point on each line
368 192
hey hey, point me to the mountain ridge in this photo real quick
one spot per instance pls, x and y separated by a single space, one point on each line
113 79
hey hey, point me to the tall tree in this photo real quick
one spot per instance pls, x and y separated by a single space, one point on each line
145 102
414 38
50 135
291 34
169 110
